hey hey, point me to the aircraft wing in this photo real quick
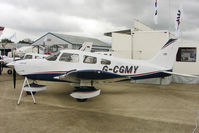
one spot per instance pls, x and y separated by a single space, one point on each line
184 75
94 75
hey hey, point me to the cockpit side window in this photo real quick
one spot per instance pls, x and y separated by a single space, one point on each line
105 62
68 57
90 59
28 57
53 57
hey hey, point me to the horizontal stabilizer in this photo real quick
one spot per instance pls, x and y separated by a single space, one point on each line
179 74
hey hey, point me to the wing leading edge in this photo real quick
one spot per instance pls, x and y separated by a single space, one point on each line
94 75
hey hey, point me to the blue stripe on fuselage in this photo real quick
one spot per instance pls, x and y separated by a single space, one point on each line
154 75
50 76
44 76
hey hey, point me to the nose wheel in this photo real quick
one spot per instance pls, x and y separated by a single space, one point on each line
29 93
9 71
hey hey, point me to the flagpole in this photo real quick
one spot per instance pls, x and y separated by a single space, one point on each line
169 15
181 26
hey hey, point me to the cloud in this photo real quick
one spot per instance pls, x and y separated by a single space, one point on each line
30 20
93 17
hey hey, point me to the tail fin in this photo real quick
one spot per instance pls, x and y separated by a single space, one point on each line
167 55
86 46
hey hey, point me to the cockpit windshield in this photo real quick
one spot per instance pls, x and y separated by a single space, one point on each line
53 57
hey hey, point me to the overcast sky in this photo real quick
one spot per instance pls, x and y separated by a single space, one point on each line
92 18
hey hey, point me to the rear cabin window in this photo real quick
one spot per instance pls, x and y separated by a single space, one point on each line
90 59
53 57
68 57
28 57
105 62
186 54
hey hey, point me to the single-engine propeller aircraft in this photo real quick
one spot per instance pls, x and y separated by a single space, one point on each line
82 69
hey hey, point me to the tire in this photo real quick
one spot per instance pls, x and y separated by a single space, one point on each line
9 72
81 100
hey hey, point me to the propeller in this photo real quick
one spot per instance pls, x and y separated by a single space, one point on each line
1 64
14 72
14 78
11 65
1 67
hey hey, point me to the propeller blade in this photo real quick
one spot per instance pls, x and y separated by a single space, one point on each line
1 68
14 72
14 78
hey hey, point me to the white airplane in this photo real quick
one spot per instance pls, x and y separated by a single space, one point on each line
6 60
83 69
105 53
22 53
34 56
28 52
27 49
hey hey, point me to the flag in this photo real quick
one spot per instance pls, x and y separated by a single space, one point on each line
178 21
1 30
12 36
156 12
45 39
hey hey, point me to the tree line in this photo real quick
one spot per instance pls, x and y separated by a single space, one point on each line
5 40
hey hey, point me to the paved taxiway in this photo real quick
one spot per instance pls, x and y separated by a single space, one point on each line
121 108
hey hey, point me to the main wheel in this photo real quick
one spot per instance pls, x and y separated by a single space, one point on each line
81 100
